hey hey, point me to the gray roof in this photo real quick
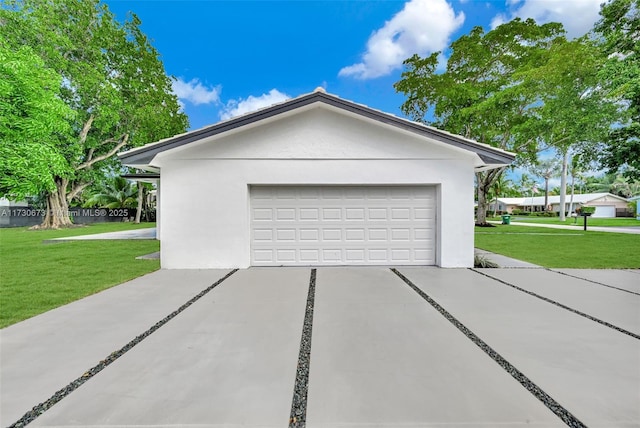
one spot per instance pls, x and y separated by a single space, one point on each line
145 154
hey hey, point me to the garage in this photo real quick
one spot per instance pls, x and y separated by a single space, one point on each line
316 180
605 211
343 225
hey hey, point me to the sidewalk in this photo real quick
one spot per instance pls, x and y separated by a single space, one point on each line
504 261
631 229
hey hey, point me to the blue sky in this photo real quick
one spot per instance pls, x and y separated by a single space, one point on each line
231 57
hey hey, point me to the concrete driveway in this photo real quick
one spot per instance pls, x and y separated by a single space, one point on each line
334 347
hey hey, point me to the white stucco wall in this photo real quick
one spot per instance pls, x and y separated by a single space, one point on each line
205 187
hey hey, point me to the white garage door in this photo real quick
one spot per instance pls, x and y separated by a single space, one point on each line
336 225
605 211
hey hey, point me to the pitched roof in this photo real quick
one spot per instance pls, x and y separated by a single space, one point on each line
491 156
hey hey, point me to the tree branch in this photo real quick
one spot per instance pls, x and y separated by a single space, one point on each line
85 129
89 162
77 189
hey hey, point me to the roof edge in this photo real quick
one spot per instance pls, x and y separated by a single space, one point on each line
144 155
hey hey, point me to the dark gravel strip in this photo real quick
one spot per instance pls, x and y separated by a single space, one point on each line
592 281
553 302
298 417
534 389
38 410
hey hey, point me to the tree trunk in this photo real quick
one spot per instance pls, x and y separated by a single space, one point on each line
573 188
57 214
563 184
485 181
482 201
546 194
139 211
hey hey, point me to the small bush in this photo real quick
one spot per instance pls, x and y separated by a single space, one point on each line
480 261
545 214
585 210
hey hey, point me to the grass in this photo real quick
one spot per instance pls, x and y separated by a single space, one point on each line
36 277
561 248
600 222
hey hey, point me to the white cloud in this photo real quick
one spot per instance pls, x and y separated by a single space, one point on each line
241 106
577 16
498 20
195 92
421 27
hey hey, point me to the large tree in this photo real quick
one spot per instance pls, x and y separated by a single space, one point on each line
111 77
482 94
619 34
34 123
575 115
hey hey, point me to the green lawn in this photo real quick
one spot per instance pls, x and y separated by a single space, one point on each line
37 277
601 222
561 248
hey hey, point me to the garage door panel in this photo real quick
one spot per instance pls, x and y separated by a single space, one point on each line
354 235
354 214
332 214
605 211
423 213
262 214
285 235
263 235
315 225
310 235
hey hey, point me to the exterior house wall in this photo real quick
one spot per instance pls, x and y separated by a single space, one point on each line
602 201
608 200
205 186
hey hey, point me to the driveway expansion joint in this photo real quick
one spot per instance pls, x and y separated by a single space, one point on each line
553 302
592 281
39 409
298 416
564 414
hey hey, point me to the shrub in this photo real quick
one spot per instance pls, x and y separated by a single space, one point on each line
585 210
480 261
545 214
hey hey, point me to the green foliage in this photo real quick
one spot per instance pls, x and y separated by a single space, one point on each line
616 184
89 267
585 210
544 214
481 94
116 193
574 114
481 261
34 123
109 74
484 94
618 31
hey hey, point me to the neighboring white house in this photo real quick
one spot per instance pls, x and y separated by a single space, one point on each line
605 203
316 180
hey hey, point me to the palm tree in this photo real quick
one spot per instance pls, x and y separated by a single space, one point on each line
117 193
501 187
525 184
546 169
612 183
622 186
574 171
